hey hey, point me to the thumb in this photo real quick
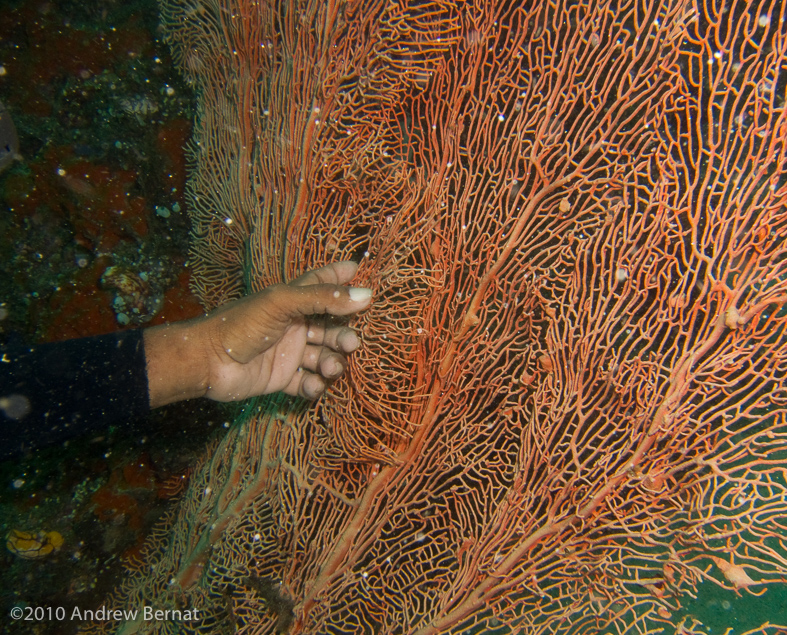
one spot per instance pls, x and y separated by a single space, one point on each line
258 322
317 299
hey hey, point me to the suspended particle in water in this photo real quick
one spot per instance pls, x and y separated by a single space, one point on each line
15 406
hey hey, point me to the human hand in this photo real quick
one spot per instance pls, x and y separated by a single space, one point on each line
280 339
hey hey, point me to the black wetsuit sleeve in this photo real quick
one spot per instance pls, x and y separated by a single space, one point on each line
52 392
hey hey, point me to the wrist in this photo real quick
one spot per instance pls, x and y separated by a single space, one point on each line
176 363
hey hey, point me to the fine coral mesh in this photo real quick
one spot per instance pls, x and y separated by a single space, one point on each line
569 408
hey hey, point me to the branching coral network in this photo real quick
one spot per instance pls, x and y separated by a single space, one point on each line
569 409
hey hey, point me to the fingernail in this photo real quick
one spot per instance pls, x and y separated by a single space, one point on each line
332 368
360 294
